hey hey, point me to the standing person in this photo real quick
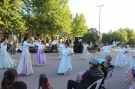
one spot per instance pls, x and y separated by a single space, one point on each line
41 58
87 78
61 47
10 80
5 60
25 66
106 50
121 58
65 63
85 54
43 82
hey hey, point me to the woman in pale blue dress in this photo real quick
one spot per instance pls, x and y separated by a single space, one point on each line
5 60
25 65
121 58
65 63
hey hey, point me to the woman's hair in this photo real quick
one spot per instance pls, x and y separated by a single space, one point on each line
9 78
25 38
3 39
42 42
67 43
43 82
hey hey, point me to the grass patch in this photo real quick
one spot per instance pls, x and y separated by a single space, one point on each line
93 51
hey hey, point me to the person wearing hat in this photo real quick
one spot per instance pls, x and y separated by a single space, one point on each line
87 78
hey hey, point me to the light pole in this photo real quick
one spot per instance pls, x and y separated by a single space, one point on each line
99 16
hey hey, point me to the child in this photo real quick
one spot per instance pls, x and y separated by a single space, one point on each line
43 82
41 59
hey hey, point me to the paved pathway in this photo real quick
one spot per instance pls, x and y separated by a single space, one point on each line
60 82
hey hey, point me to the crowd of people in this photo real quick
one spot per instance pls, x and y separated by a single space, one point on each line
98 68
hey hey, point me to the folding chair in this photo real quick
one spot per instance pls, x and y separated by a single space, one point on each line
109 75
98 82
131 62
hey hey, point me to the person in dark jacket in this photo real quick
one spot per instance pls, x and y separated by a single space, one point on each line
88 78
105 66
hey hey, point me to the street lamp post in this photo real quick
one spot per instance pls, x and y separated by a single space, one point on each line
99 15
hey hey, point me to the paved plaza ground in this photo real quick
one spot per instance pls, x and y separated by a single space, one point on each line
117 81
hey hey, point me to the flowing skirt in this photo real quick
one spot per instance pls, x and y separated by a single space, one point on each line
41 59
65 64
104 54
86 54
5 60
25 66
121 60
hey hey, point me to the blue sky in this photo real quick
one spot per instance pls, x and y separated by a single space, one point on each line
115 14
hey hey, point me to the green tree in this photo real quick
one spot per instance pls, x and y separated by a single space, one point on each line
123 35
48 16
91 36
79 26
108 37
118 35
10 16
131 36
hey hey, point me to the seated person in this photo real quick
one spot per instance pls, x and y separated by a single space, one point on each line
10 80
43 82
106 65
87 78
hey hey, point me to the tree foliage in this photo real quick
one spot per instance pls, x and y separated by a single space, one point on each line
51 17
91 36
127 35
79 26
10 17
48 16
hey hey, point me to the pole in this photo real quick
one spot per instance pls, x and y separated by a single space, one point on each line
99 16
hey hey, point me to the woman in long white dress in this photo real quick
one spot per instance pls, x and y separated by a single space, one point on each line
106 50
25 66
61 47
65 63
121 58
85 54
5 60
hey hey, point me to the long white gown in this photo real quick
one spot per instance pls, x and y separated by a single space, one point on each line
61 47
65 63
106 50
85 54
5 59
25 66
121 58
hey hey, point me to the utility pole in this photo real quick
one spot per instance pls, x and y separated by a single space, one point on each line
99 15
